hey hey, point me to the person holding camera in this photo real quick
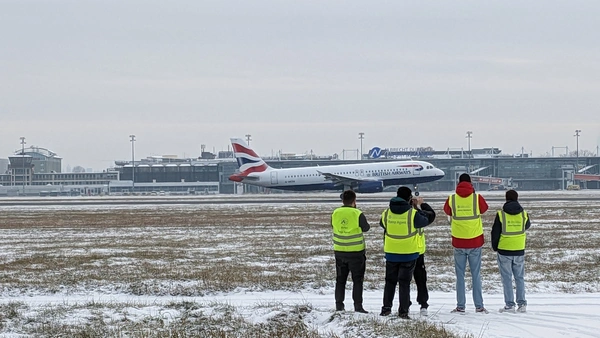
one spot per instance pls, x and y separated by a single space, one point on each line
420 273
402 246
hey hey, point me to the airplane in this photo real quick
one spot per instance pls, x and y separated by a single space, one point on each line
362 178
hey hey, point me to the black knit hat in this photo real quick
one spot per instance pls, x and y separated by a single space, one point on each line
405 193
464 178
512 195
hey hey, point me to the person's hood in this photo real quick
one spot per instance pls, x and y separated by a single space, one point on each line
399 205
464 189
512 207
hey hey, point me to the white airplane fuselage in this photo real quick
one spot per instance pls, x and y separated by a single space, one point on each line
369 175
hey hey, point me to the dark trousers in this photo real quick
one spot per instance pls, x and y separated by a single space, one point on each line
398 273
346 263
420 275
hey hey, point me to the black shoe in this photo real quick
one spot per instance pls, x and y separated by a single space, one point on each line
361 310
339 306
385 312
404 316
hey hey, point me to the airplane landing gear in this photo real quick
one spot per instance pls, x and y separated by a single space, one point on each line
416 190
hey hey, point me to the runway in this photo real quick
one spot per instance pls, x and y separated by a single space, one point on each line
288 198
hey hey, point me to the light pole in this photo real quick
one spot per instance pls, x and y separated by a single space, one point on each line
361 136
248 138
577 136
469 136
23 159
132 139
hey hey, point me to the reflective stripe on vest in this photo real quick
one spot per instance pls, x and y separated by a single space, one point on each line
347 234
466 218
513 235
473 211
421 238
403 238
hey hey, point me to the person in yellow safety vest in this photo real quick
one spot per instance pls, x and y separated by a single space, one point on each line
348 225
402 246
508 239
420 273
465 208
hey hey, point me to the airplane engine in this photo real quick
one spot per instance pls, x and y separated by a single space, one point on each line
369 187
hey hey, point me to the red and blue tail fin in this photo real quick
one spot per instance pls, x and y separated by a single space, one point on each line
248 161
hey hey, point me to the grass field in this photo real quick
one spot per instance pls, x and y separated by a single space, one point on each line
154 264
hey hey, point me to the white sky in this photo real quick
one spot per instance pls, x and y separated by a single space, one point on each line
79 76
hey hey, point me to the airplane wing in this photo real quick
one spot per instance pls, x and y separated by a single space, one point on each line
345 180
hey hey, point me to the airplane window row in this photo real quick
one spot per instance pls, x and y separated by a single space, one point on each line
346 173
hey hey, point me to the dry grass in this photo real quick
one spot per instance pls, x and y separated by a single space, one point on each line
195 250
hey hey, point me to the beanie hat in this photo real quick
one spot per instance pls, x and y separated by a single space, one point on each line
512 195
464 178
405 193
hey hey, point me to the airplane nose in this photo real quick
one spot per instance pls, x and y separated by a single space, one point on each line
439 172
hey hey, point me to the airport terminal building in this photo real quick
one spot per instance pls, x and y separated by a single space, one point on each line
37 172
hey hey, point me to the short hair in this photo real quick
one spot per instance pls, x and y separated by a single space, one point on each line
348 197
405 193
464 178
512 195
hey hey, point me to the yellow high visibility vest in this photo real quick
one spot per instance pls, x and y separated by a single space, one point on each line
513 235
421 238
400 233
466 218
347 234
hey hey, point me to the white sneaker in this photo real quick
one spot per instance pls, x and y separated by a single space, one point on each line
423 312
522 308
508 309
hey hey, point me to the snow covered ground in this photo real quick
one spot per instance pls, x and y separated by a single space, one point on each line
549 315
122 269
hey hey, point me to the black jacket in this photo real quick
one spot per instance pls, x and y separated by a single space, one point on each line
424 217
511 208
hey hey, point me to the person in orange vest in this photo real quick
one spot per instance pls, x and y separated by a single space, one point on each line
348 224
465 208
508 239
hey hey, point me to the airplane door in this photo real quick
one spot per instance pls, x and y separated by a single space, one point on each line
417 170
356 172
274 177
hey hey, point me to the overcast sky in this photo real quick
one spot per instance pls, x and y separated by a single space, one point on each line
78 77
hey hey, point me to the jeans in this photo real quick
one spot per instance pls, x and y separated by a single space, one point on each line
512 266
473 256
346 263
398 273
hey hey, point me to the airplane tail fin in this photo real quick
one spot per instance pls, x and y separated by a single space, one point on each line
248 161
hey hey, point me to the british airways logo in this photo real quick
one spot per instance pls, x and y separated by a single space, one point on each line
376 152
248 161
